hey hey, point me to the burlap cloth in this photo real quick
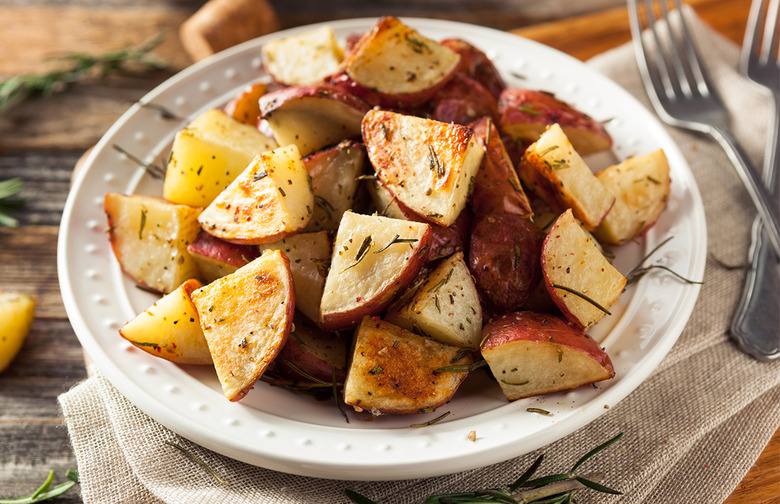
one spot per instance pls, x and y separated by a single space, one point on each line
692 429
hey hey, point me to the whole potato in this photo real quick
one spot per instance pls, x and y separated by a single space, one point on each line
504 259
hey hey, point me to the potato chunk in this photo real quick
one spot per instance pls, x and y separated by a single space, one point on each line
641 186
536 353
16 317
150 236
271 199
246 318
557 174
429 166
374 258
400 64
208 155
170 328
577 274
444 307
305 58
393 371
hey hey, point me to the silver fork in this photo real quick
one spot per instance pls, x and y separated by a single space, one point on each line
683 96
756 324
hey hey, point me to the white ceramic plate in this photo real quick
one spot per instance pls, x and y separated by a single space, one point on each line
281 430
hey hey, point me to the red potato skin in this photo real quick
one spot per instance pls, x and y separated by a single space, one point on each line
538 109
222 251
462 101
475 64
345 83
348 319
497 189
274 99
505 260
533 326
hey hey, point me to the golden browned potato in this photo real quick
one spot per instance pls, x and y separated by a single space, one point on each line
170 328
305 58
558 175
581 281
394 371
208 155
246 318
150 237
427 165
271 199
245 106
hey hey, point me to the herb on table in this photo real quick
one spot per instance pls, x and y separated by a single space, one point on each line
198 461
22 87
555 488
43 492
9 188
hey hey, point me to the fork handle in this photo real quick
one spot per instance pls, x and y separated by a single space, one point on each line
767 211
756 324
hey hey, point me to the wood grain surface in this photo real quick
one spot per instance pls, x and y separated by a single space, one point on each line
41 141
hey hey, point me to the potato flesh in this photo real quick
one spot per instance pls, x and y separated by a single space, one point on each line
272 198
334 178
428 165
150 236
208 155
309 255
303 59
641 186
557 174
394 59
246 318
365 269
392 370
170 328
17 312
318 353
445 307
571 259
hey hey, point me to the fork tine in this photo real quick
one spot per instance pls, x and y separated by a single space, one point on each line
699 75
654 65
643 54
771 32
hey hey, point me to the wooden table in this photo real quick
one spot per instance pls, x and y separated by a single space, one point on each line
41 141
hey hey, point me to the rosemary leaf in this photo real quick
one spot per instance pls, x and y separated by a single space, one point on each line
8 188
197 460
45 491
527 474
582 296
361 253
358 498
431 422
594 451
597 486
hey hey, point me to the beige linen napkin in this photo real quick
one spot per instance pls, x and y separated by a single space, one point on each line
692 430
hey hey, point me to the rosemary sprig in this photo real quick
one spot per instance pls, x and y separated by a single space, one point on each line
23 87
582 296
198 461
9 188
555 488
44 492
639 270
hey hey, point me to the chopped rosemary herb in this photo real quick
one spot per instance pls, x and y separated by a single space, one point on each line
259 176
396 239
539 411
582 296
376 370
361 253
434 163
324 204
528 108
143 224
461 368
516 384
654 180
431 422
548 150
514 184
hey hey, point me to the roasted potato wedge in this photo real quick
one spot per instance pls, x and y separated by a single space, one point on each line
444 307
394 371
554 170
527 113
216 258
401 65
301 59
245 106
475 64
581 281
208 155
374 258
427 165
531 354
170 328
311 351
271 199
150 236
246 318
641 186
463 100
312 117
497 188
